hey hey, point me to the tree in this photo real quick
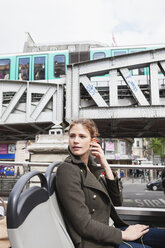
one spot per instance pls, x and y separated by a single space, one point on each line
158 147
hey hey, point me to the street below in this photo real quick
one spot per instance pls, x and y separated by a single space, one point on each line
135 194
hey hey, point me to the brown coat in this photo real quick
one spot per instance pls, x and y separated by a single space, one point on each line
86 200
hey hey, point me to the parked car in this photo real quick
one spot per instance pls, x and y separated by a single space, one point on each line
155 185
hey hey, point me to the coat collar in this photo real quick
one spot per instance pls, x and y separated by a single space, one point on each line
77 160
91 178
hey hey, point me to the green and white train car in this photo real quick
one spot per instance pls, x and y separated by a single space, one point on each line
50 65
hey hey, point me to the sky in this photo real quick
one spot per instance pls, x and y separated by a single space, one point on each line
130 22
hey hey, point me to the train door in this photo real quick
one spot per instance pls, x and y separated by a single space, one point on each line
58 64
4 68
23 65
39 67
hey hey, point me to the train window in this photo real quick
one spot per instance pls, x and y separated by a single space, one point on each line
116 53
4 68
59 65
39 68
23 69
98 55
139 71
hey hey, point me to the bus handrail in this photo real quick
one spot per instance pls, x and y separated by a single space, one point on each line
117 166
139 209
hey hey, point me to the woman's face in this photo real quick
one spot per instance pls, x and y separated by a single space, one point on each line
79 140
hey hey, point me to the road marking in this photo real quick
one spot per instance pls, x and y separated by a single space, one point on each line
145 202
162 200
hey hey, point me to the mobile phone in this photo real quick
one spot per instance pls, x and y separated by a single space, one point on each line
95 140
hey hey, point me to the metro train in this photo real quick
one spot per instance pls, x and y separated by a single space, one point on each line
50 65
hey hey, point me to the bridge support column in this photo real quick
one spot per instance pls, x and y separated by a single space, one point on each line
154 84
58 105
68 113
75 93
28 102
72 93
113 95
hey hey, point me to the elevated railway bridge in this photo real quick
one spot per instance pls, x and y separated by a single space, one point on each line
106 90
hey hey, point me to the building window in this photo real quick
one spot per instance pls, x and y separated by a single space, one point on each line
59 65
23 69
4 68
110 147
98 55
137 143
39 68
122 148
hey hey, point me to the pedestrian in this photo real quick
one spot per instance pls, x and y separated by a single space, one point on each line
87 194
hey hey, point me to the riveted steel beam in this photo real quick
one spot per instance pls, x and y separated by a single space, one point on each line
137 93
93 91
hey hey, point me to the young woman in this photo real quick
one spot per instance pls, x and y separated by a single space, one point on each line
88 193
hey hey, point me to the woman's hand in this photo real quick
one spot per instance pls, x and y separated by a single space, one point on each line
97 151
134 232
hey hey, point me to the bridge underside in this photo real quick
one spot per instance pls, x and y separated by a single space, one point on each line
115 128
23 131
131 128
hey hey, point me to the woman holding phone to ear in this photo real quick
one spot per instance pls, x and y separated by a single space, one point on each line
88 193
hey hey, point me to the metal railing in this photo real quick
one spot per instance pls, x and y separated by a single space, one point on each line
7 182
153 216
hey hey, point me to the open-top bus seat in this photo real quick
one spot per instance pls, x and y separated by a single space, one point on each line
29 219
54 204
